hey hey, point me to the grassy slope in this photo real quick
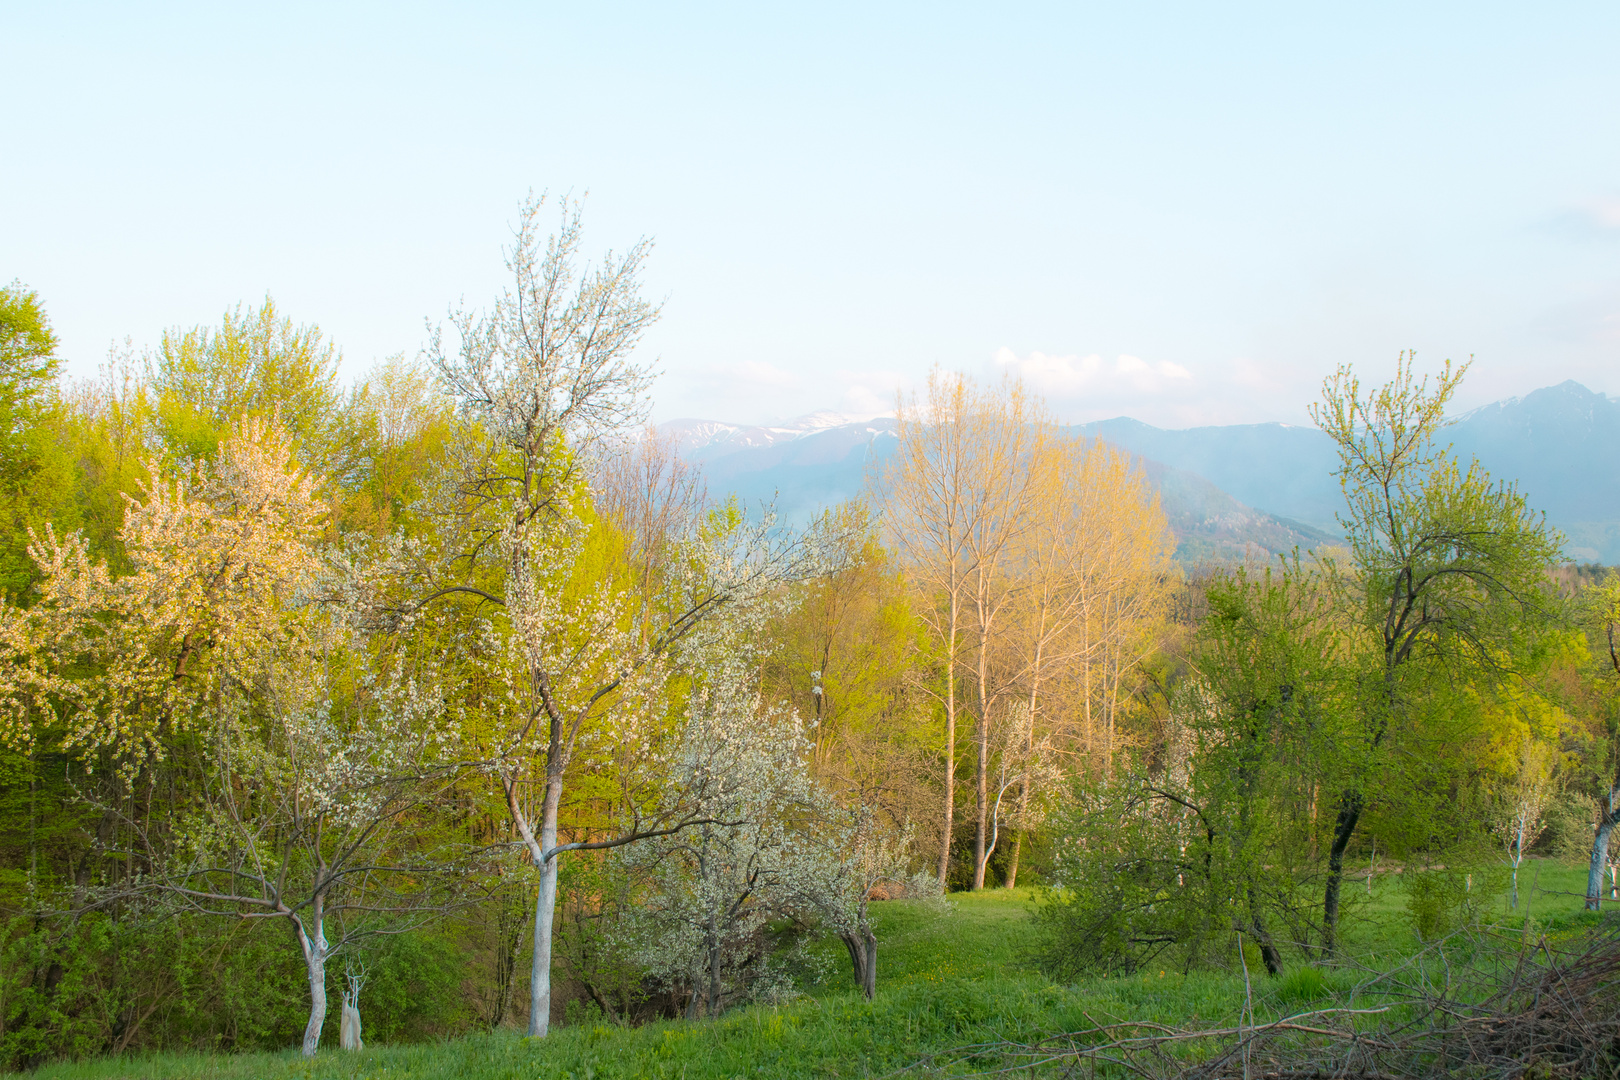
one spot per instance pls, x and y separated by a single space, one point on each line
943 981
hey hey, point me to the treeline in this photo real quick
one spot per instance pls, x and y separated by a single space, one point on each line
405 689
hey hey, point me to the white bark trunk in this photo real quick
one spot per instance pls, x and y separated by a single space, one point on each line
1600 857
1518 857
545 906
1608 817
315 956
349 1028
540 975
950 747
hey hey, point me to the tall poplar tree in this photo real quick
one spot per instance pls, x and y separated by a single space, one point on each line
961 492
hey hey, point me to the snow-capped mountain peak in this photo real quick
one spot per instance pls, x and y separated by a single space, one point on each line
705 438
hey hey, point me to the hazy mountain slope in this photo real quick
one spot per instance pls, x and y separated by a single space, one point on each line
1210 525
801 469
1275 468
804 467
1223 488
1562 445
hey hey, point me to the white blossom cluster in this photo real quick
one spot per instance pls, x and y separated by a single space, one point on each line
222 564
774 845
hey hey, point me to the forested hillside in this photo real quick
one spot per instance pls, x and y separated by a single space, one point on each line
457 700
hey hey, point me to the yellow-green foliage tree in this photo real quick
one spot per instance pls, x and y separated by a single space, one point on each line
35 473
847 656
216 564
1093 571
220 663
1446 580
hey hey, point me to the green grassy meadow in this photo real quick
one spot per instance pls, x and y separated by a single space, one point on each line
944 980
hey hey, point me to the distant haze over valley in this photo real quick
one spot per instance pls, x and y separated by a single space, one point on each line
1226 490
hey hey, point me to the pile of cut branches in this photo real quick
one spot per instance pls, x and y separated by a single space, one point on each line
1480 1005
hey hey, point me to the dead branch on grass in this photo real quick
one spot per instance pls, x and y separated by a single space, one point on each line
1479 1004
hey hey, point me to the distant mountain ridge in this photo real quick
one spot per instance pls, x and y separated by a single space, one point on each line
1226 490
802 467
1559 444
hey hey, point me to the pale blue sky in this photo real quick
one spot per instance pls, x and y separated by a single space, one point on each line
1182 213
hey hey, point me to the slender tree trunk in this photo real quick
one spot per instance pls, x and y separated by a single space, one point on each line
714 968
981 795
1518 857
1268 948
1344 828
349 1029
1023 788
950 747
1600 859
545 908
1017 845
315 951
981 736
1608 818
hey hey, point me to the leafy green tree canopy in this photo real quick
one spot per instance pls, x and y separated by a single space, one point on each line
256 363
32 474
1448 578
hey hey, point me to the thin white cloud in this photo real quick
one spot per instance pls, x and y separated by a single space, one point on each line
1597 218
1162 392
1072 376
1604 213
757 373
870 393
1078 388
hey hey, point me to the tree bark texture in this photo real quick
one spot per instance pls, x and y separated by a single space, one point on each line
862 946
314 947
349 1028
1600 858
545 906
1343 829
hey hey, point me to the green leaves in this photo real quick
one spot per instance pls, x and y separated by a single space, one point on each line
35 477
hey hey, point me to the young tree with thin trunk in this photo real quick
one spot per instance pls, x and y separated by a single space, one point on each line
1447 571
311 812
1522 804
578 659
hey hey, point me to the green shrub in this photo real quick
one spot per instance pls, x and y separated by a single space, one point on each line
1301 985
1436 901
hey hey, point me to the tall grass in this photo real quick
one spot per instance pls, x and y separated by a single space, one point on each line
943 981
